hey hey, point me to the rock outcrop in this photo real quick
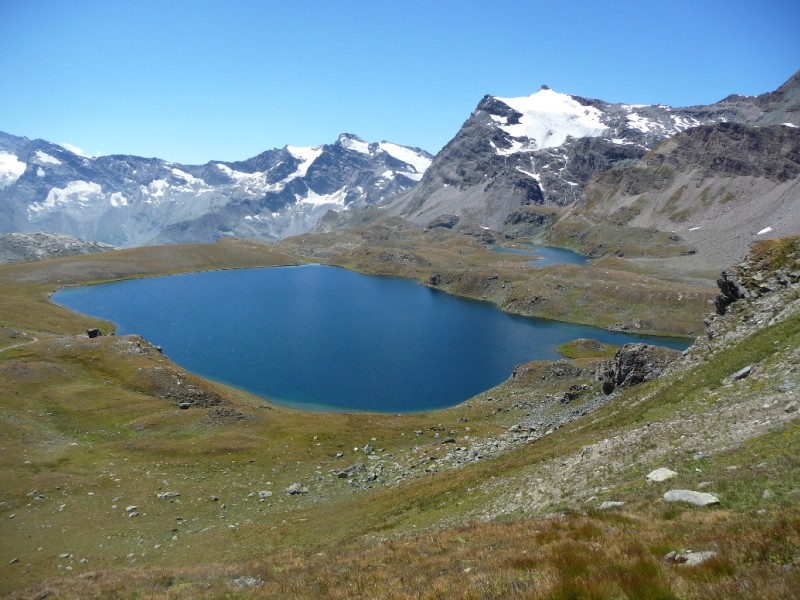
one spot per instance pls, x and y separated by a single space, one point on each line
24 247
634 364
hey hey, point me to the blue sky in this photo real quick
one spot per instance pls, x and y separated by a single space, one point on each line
192 81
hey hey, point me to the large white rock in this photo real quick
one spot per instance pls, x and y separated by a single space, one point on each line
661 474
696 498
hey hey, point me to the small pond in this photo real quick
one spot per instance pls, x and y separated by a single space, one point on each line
547 255
323 338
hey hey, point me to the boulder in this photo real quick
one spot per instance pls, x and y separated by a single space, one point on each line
634 364
695 498
742 373
296 489
661 474
444 221
689 559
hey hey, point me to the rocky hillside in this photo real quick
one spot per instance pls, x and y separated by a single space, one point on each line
711 189
543 149
23 247
132 201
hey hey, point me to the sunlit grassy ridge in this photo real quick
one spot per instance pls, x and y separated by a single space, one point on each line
90 428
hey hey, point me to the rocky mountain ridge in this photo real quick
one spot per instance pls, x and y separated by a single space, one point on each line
131 201
23 247
541 150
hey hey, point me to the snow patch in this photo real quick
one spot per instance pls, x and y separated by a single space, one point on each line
11 169
315 199
189 178
406 155
74 150
682 123
694 228
765 230
80 193
40 172
528 173
237 175
643 124
117 200
789 125
549 117
352 143
157 188
44 157
306 155
516 147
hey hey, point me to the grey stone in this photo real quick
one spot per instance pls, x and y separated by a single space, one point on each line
695 498
742 373
673 557
661 474
246 581
695 558
296 489
688 558
610 504
791 407
167 495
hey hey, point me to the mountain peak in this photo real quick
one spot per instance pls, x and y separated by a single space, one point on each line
549 117
353 142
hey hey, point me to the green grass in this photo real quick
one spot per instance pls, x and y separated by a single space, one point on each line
82 426
584 348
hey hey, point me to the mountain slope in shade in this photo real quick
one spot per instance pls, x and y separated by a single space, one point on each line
542 149
715 189
130 201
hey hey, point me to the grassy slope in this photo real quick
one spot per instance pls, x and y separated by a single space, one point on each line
84 428
461 265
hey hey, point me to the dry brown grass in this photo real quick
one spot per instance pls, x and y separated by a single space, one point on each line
618 555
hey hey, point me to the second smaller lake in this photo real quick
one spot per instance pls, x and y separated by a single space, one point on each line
547 255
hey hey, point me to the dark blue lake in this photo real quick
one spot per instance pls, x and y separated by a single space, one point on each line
323 338
547 255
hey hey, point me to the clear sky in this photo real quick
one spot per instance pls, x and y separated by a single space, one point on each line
196 80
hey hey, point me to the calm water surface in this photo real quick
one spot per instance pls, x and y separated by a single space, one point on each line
323 338
547 255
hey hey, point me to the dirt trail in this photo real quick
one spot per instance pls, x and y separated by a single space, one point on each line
31 341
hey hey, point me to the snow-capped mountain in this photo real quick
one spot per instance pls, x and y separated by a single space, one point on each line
543 148
131 201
